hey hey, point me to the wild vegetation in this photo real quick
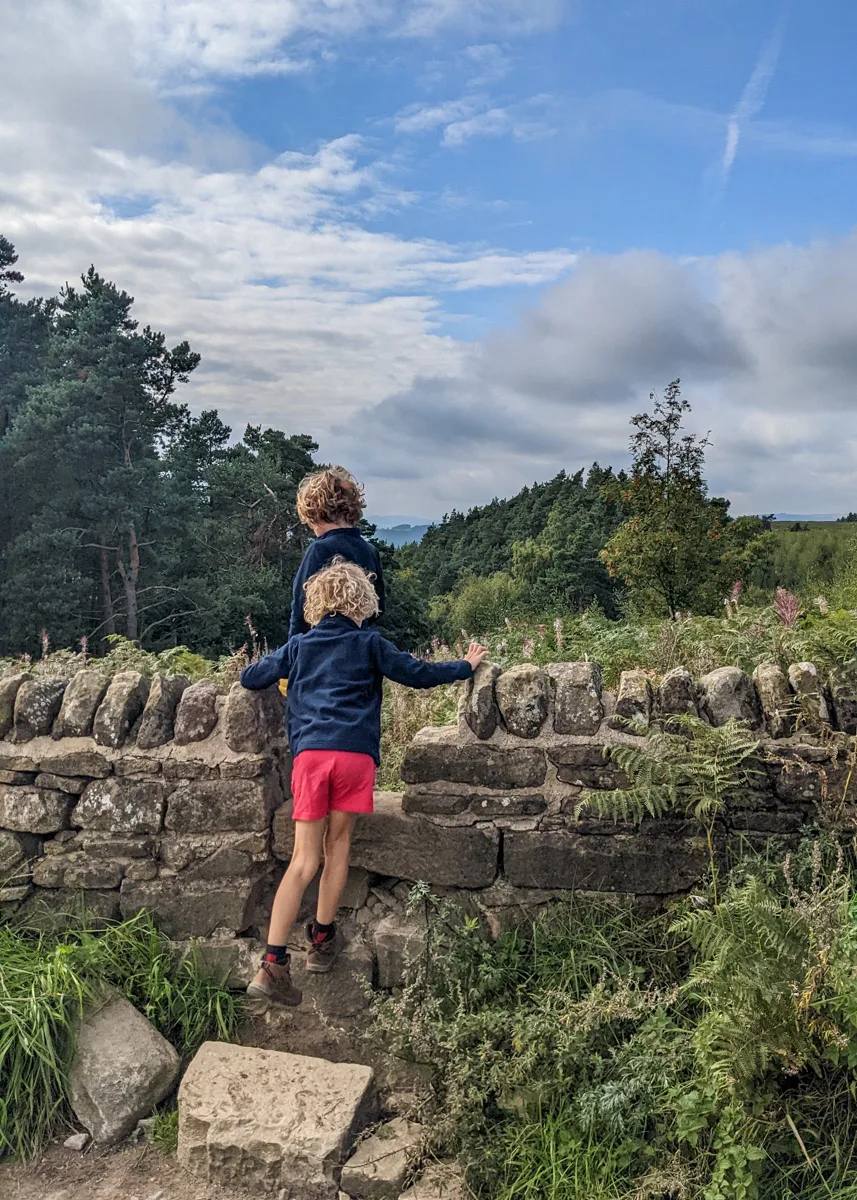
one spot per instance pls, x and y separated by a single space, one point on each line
704 1053
50 976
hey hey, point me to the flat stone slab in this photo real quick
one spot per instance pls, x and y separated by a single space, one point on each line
269 1122
441 1181
379 1166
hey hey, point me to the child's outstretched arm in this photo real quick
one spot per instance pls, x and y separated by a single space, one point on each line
270 669
417 673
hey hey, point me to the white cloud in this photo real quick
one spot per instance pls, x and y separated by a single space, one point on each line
301 310
765 345
525 122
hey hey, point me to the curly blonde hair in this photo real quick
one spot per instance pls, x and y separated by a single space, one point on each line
340 587
332 496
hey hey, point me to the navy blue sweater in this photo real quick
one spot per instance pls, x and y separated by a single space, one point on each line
352 546
335 675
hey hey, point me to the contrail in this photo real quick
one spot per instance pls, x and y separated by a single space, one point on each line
753 96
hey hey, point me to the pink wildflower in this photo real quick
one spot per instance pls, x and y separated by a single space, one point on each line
529 647
786 606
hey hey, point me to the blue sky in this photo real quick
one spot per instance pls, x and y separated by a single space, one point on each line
459 241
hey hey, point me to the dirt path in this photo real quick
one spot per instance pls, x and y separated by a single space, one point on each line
136 1174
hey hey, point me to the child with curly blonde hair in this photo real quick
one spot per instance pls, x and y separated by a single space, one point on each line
335 674
331 503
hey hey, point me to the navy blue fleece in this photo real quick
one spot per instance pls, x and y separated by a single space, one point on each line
335 675
353 547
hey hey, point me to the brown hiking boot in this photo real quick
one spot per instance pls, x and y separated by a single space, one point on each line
274 984
322 953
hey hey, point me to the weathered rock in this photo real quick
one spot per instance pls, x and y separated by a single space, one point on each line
16 850
109 845
122 1068
77 871
15 760
344 991
399 942
120 708
70 908
249 767
480 706
586 765
185 910
436 754
214 856
189 768
248 718
392 843
270 1122
196 715
123 806
633 711
13 894
80 704
441 1181
577 697
209 806
446 803
806 684
843 696
137 764
77 1142
10 685
141 870
36 706
79 762
728 693
29 810
513 804
61 783
232 960
18 778
158 721
631 862
677 693
523 698
379 1166
776 699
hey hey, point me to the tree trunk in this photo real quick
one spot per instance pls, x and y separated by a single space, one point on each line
106 596
130 576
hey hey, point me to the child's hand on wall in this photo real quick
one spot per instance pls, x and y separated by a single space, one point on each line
475 654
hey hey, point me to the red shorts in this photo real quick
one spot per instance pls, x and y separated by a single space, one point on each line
325 781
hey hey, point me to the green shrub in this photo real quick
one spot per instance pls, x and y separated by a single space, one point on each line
703 1054
46 981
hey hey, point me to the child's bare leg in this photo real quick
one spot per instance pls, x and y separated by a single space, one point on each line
309 838
274 981
337 851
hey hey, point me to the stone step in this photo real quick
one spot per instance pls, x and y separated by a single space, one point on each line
272 1123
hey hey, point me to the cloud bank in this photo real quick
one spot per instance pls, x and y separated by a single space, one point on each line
765 344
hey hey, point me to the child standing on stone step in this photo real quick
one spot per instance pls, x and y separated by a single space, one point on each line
335 674
331 503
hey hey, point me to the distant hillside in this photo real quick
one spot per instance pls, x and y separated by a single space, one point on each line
401 535
564 523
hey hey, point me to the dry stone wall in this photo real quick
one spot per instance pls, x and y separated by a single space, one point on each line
129 794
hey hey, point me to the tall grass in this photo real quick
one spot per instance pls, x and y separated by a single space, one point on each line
46 982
